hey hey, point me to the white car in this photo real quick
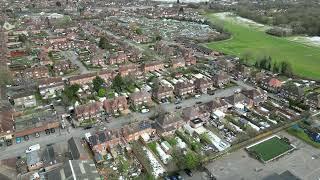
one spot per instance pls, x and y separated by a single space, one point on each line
145 111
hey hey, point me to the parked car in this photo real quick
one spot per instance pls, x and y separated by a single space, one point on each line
188 172
47 131
9 142
178 107
18 140
198 102
52 130
87 127
144 111
37 135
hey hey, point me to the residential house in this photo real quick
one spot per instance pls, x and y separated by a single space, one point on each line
49 86
129 70
115 104
88 111
241 71
133 132
6 122
118 58
221 79
62 67
24 99
160 92
313 100
184 88
152 66
103 141
216 105
178 62
271 84
82 78
140 98
26 125
237 98
37 72
190 60
292 91
194 112
257 96
107 75
202 84
168 123
225 65
44 58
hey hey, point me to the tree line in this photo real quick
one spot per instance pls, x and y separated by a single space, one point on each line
266 63
302 17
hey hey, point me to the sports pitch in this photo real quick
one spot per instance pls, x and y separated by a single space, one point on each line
270 149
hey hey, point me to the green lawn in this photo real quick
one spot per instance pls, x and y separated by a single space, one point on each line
305 59
270 148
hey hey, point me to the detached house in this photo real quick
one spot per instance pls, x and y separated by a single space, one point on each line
292 91
116 104
168 123
140 98
313 100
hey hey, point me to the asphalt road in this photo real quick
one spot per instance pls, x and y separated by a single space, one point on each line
18 149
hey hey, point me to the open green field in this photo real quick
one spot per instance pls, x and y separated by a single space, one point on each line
270 148
305 59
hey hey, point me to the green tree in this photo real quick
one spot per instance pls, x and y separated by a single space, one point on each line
104 44
275 67
118 83
286 68
102 92
191 160
97 83
70 93
138 31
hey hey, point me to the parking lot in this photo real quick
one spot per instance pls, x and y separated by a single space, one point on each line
303 162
